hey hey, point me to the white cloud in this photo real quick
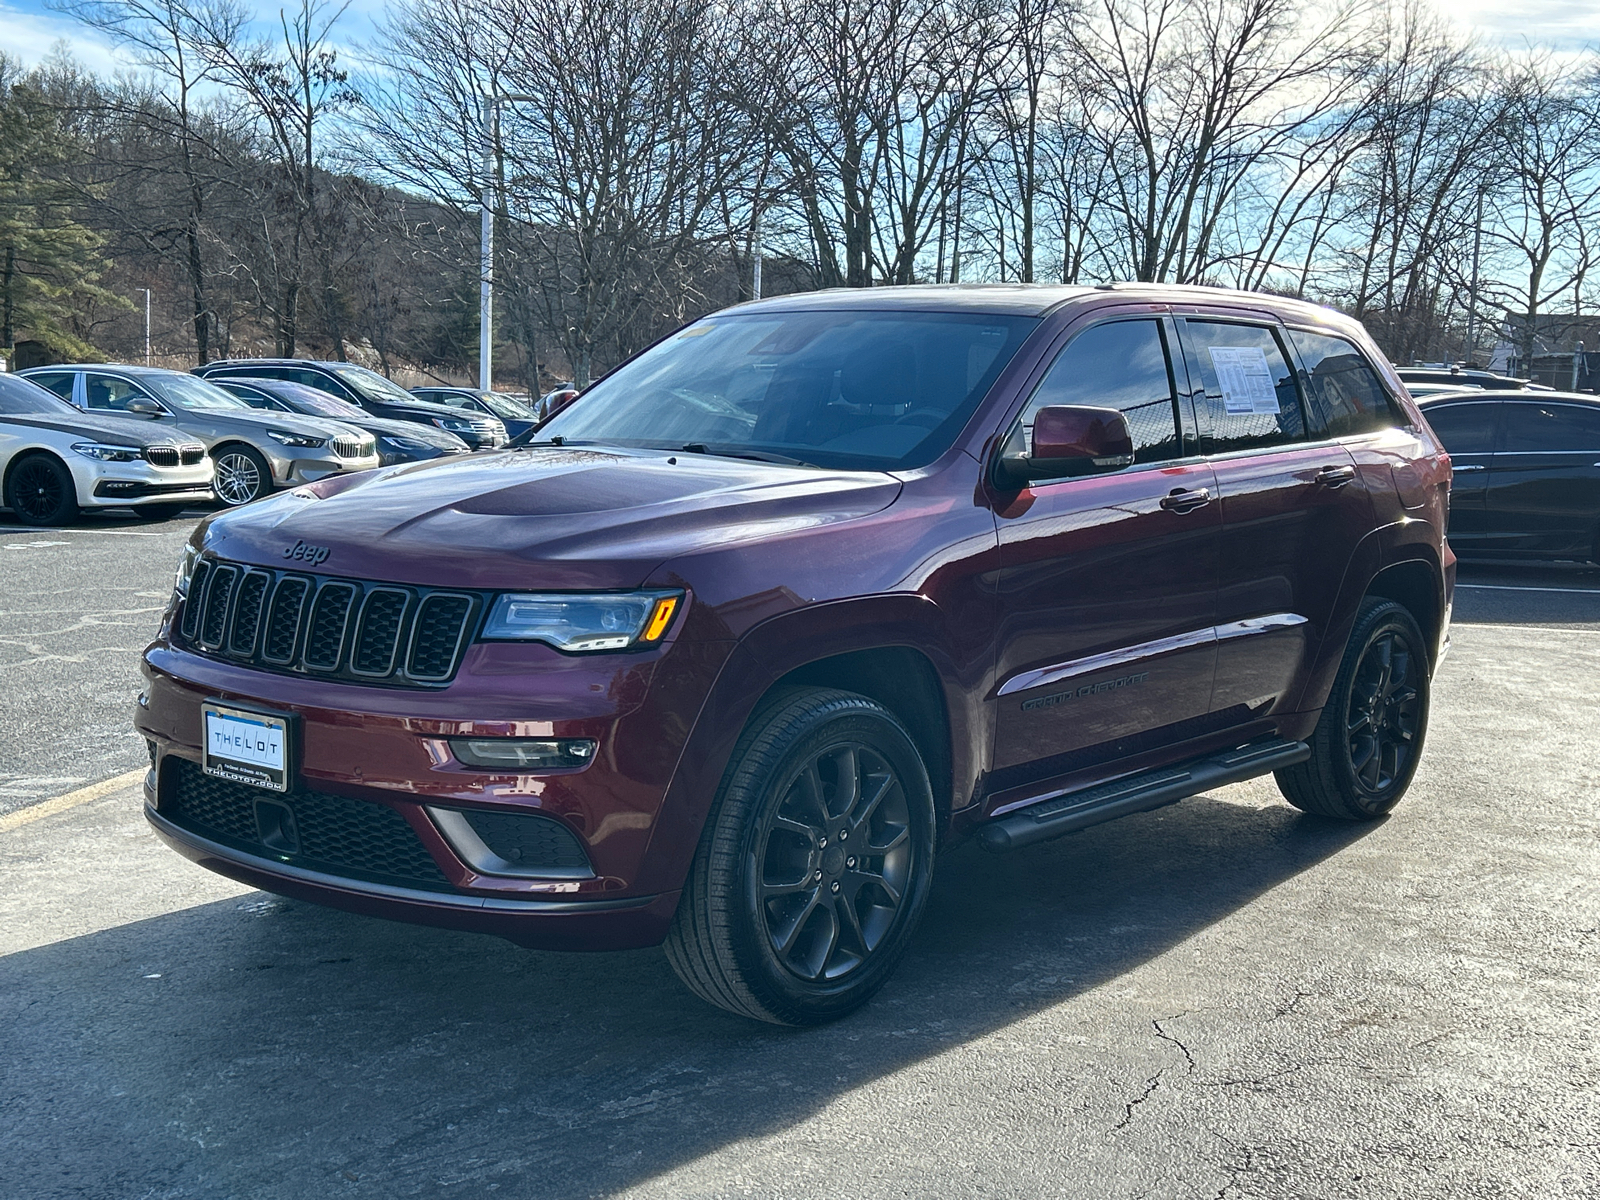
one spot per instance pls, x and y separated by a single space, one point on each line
32 36
1559 24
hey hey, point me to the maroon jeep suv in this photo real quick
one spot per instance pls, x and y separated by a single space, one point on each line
725 651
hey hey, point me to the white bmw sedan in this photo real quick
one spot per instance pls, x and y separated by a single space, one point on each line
56 460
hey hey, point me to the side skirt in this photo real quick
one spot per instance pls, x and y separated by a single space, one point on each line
1059 813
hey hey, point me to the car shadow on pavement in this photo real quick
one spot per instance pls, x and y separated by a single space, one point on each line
260 1046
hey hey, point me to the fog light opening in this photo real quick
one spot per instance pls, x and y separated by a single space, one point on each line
524 754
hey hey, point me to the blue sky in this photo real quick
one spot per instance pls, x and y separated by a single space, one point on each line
30 29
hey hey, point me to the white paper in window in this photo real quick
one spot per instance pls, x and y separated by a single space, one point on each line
1245 378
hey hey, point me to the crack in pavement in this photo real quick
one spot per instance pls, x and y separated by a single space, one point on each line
1154 1081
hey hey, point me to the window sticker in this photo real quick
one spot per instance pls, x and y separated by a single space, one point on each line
1245 378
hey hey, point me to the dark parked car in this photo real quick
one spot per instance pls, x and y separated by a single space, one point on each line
804 591
366 389
398 441
1527 472
1462 377
517 416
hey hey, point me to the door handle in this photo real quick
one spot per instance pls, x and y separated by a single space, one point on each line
1180 501
1476 467
1336 477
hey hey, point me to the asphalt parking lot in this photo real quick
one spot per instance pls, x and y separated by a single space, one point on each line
1220 999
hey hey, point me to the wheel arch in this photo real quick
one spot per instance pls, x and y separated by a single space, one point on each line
1417 586
22 456
235 442
870 645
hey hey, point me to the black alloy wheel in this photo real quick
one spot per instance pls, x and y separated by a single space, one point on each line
814 865
833 861
1381 715
40 491
1369 738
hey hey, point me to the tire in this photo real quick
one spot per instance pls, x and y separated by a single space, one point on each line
779 920
242 475
157 512
40 491
1369 738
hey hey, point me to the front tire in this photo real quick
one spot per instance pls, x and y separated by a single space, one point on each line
40 491
1369 738
814 866
242 476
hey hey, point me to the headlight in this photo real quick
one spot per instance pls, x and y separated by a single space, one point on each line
455 424
180 584
105 453
294 439
404 443
605 621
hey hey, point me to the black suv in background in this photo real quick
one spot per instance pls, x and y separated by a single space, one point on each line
357 385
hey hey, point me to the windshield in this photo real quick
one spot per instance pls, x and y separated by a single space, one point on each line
190 393
858 390
328 406
374 386
504 407
20 396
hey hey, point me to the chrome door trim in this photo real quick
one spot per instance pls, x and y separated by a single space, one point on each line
1043 676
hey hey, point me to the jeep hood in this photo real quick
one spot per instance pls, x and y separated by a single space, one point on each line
541 518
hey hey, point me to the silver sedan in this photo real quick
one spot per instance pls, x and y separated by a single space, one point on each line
255 452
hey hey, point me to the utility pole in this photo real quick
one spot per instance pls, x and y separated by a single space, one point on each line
1472 298
487 197
755 270
146 292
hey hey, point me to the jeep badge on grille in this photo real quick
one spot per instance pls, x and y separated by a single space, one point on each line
306 553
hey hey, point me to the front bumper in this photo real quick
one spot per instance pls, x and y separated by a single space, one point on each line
622 923
362 746
290 472
108 485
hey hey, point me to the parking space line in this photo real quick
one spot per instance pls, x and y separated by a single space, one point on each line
1506 587
83 795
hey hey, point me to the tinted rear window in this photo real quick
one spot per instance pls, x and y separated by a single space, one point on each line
1547 428
1464 428
1342 390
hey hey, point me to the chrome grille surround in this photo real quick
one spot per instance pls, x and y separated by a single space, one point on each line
322 626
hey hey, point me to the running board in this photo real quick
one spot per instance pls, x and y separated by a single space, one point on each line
1067 812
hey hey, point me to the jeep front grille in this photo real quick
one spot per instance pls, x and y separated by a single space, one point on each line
316 625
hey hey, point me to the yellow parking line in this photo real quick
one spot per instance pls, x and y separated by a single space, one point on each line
47 808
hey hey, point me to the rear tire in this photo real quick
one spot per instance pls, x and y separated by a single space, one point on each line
814 865
1369 738
40 491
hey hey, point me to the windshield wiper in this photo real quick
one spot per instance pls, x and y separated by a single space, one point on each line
718 451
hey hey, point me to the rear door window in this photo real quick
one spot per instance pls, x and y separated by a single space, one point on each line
1343 392
1465 428
1121 365
1550 428
1251 401
59 382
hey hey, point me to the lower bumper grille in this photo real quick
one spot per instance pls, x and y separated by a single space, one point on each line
359 839
109 488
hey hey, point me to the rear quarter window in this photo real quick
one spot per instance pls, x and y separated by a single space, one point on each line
1343 392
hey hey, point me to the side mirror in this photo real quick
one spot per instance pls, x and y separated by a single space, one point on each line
143 407
1069 440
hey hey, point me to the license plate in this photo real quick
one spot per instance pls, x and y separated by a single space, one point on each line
247 747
